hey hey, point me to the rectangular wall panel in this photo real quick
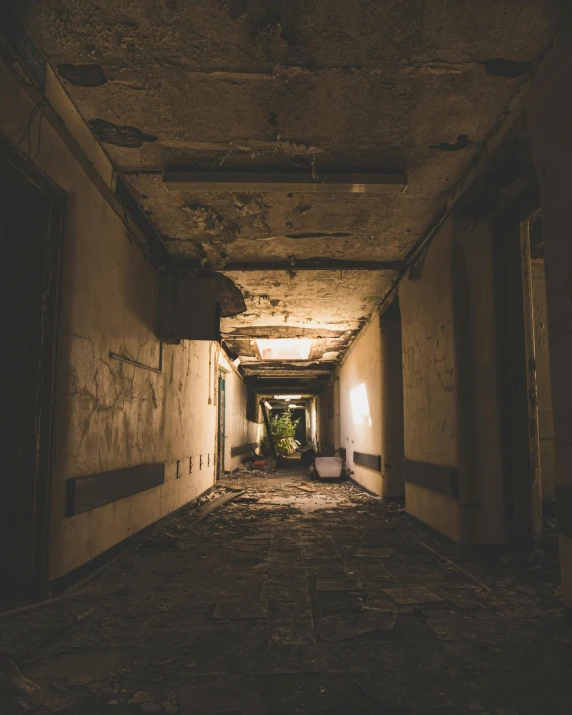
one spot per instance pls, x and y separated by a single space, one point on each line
371 461
436 477
94 490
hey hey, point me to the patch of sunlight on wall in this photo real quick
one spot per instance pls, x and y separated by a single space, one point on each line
360 405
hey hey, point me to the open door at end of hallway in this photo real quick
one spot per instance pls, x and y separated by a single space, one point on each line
30 231
221 432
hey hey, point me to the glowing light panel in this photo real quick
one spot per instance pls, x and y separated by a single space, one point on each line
285 348
360 405
287 397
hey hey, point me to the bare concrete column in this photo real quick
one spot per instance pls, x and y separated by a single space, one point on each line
391 403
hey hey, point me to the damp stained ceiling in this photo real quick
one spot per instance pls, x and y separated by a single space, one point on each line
411 86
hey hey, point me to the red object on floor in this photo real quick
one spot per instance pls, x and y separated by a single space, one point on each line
259 463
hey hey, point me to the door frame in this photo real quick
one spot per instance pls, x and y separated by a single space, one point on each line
221 424
519 414
46 398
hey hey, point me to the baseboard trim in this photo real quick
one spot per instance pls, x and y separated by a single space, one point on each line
365 489
90 568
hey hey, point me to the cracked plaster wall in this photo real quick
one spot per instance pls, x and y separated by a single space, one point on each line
239 430
430 379
429 359
111 414
363 433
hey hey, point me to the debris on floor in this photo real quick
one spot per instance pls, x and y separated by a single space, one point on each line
294 599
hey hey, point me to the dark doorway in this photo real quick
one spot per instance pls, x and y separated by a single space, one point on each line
221 434
301 429
525 373
30 240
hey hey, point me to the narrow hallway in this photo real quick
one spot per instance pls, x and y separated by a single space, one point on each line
297 597
248 243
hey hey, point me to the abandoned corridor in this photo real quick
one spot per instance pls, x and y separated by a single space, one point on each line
218 213
298 597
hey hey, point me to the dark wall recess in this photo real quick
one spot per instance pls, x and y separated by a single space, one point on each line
506 68
94 490
564 509
243 449
119 135
371 461
83 75
436 477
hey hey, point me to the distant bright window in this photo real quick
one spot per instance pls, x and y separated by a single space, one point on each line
285 348
360 405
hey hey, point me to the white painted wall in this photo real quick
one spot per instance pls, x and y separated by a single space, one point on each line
360 417
111 414
239 430
430 379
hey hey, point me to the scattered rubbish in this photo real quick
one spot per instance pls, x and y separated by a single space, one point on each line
97 662
374 553
238 610
413 594
208 509
49 601
338 584
16 687
57 632
240 600
145 702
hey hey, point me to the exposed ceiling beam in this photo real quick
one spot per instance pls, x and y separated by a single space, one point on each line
326 183
308 264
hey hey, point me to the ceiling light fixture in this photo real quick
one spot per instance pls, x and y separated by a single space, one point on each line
287 397
305 182
285 348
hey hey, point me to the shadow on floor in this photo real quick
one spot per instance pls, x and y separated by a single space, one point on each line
296 597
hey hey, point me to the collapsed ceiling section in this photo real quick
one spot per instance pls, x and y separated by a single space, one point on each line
402 86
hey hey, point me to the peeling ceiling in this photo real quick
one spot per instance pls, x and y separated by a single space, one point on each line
388 85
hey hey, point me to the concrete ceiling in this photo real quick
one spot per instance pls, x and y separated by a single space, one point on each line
407 85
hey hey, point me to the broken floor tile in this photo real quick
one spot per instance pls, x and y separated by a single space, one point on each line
228 695
240 609
437 688
274 657
413 594
246 548
342 627
359 654
77 663
325 568
374 553
338 584
291 692
382 689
